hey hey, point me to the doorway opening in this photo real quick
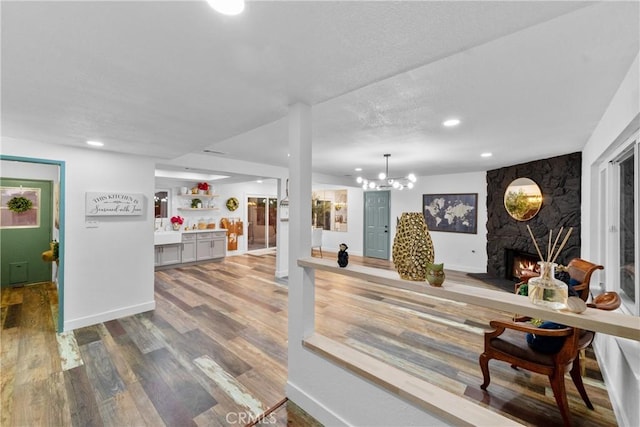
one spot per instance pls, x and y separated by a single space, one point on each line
29 170
262 225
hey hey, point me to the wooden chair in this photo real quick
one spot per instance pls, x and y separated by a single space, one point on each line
581 271
508 343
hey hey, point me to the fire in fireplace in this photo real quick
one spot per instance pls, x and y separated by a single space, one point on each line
519 264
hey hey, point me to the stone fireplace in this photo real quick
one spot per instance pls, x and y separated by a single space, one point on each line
559 178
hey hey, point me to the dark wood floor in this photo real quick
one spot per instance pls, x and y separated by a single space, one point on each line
213 353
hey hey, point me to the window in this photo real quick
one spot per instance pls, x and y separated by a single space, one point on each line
626 226
623 223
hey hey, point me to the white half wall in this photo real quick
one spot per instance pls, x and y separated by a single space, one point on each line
108 269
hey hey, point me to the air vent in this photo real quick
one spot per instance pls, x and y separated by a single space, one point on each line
214 152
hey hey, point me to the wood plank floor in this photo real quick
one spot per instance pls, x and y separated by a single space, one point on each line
213 353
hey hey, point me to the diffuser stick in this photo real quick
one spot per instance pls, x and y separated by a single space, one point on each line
549 245
564 242
556 241
535 243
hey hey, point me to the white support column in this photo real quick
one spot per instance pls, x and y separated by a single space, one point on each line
301 284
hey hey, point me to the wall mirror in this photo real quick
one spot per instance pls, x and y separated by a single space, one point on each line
523 199
161 204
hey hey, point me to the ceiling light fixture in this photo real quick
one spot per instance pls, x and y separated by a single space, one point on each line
95 143
486 155
385 181
227 7
451 123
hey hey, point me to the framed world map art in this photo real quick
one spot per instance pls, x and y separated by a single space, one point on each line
455 213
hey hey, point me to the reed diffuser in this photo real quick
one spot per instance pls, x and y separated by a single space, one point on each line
546 290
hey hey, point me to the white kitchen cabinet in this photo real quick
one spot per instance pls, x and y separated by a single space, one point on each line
168 254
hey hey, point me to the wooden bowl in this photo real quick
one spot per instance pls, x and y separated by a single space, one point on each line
606 301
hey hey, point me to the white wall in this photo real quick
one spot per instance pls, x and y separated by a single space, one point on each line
109 269
458 251
331 240
619 359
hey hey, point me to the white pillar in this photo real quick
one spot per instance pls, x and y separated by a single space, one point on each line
301 286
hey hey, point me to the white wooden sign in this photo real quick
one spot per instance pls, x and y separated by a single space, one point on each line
114 204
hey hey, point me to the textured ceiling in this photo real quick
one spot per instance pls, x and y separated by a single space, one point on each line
528 79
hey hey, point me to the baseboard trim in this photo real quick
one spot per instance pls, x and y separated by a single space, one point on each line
108 315
313 407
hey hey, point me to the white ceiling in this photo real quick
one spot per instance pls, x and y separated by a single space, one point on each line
529 80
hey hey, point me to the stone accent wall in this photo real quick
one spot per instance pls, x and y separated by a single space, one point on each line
559 180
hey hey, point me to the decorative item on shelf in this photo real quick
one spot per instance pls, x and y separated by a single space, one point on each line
176 222
385 182
606 301
343 255
203 188
232 204
202 224
412 247
184 191
19 204
545 289
194 189
435 274
196 203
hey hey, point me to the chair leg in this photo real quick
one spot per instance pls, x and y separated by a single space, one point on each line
484 366
560 393
576 376
320 251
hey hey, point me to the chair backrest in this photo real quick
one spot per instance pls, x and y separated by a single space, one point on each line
316 237
581 271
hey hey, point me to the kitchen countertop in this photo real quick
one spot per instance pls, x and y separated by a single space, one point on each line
172 237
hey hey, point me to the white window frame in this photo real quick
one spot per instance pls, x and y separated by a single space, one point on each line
609 176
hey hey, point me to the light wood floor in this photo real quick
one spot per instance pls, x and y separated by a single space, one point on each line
213 353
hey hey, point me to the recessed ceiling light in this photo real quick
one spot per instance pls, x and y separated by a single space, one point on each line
486 154
95 143
451 123
358 169
259 181
227 7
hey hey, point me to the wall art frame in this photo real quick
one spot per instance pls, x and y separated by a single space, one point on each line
453 213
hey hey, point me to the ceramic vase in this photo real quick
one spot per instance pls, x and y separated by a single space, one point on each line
435 274
412 247
176 226
546 290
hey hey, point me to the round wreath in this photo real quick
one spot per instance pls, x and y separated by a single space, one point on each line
232 204
19 204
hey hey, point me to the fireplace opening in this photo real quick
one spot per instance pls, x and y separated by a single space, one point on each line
519 264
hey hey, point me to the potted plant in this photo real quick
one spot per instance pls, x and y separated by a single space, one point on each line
176 222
